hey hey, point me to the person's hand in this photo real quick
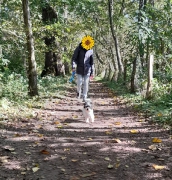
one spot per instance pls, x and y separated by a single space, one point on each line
91 77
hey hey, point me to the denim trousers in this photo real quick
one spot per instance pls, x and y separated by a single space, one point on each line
83 80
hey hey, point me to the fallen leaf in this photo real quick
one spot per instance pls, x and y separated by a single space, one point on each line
159 114
117 123
44 152
9 149
117 165
35 169
60 126
75 117
107 158
133 131
17 135
116 141
102 102
27 153
35 131
4 160
90 139
63 158
66 149
108 132
145 150
141 120
156 140
133 142
40 135
13 153
153 147
74 160
23 173
110 166
157 167
88 174
57 122
74 178
62 169
160 159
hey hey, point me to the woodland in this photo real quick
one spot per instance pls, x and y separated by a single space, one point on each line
132 55
126 34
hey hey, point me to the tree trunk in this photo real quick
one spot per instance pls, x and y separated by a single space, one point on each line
118 55
133 76
115 64
32 74
53 63
150 77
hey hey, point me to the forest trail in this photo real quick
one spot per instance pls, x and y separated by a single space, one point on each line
57 144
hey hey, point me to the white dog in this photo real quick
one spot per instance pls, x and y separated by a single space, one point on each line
88 112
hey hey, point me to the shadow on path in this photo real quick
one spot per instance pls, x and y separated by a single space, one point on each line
57 144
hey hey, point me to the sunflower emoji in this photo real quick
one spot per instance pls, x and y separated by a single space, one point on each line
87 42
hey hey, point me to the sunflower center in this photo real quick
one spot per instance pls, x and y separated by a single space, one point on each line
87 42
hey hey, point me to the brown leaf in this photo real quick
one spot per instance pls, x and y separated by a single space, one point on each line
17 135
74 178
40 135
44 152
57 122
117 123
116 141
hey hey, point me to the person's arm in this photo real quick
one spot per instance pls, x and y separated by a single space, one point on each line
74 59
92 66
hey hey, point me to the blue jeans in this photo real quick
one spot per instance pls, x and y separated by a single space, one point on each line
85 81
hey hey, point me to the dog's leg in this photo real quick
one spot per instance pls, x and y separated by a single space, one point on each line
87 120
92 119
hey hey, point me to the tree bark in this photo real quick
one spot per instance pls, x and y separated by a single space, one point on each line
118 55
32 73
53 63
150 77
133 75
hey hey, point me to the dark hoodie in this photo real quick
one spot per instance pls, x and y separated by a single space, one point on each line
82 60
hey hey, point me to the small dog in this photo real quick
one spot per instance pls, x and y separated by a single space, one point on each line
88 112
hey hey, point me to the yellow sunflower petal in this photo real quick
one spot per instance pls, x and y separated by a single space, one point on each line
87 42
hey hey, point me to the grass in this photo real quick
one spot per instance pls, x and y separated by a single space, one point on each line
15 102
158 109
14 99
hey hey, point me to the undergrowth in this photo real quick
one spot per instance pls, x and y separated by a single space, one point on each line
15 102
14 99
158 108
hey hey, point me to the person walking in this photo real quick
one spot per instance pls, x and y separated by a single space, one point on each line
83 65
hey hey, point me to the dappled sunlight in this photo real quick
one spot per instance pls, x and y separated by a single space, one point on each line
57 141
12 165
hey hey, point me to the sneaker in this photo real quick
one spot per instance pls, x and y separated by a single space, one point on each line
78 96
84 99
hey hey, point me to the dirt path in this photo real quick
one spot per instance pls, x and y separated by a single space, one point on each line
57 144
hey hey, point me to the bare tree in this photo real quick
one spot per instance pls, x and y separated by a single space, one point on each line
32 74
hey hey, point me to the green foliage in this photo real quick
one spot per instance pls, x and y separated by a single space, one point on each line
158 109
14 99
